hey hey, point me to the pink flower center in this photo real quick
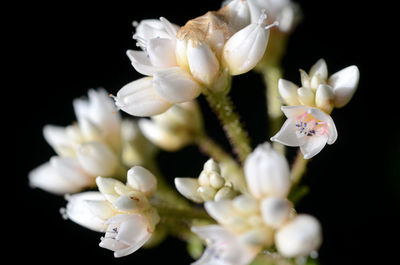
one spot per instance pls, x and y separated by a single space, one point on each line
308 125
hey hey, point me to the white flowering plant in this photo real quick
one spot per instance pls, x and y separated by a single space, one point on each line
241 207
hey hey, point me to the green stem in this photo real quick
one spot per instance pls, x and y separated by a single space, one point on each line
298 169
180 213
223 106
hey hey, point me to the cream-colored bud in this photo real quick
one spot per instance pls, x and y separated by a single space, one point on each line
188 187
206 193
224 193
212 166
245 204
288 92
97 159
142 180
275 211
216 181
204 179
305 96
299 237
324 98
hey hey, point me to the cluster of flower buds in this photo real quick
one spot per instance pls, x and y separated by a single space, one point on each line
202 55
308 123
209 186
122 211
92 147
251 222
175 128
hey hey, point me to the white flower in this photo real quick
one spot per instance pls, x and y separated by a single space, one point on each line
318 90
223 247
125 234
175 128
267 172
306 127
299 237
60 175
122 210
275 211
89 209
246 47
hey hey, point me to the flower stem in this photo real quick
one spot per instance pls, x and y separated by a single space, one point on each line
298 170
223 106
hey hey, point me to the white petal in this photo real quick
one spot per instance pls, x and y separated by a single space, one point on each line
287 134
97 159
125 203
142 180
245 48
324 98
222 211
150 29
141 62
203 64
138 98
288 92
72 171
299 237
47 177
238 14
88 209
331 130
305 96
188 188
319 69
161 52
175 85
58 138
294 111
313 146
161 136
344 84
107 185
275 211
267 172
170 28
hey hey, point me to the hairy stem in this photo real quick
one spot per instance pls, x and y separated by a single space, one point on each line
223 106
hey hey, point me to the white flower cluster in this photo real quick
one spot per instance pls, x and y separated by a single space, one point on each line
308 123
99 144
264 217
250 202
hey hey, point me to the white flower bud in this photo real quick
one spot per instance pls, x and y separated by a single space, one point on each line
211 166
97 159
203 63
224 193
216 181
88 209
299 237
238 14
206 193
288 92
142 180
344 84
188 188
245 48
318 74
275 211
139 98
267 172
305 96
245 204
324 98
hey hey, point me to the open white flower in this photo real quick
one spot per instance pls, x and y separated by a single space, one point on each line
123 211
318 90
306 127
223 247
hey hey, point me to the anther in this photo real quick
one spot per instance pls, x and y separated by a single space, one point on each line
275 24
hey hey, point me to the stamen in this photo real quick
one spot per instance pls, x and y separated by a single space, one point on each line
141 42
276 23
263 16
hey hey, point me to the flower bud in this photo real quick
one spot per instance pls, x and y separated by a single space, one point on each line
299 237
275 211
324 98
305 96
344 84
224 193
142 180
188 187
97 159
206 193
288 92
267 172
245 48
203 63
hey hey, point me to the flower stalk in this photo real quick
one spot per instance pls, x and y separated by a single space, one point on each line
223 106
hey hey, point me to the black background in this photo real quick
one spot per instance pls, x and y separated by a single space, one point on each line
60 50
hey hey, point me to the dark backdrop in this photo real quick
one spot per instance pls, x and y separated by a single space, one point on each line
64 48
